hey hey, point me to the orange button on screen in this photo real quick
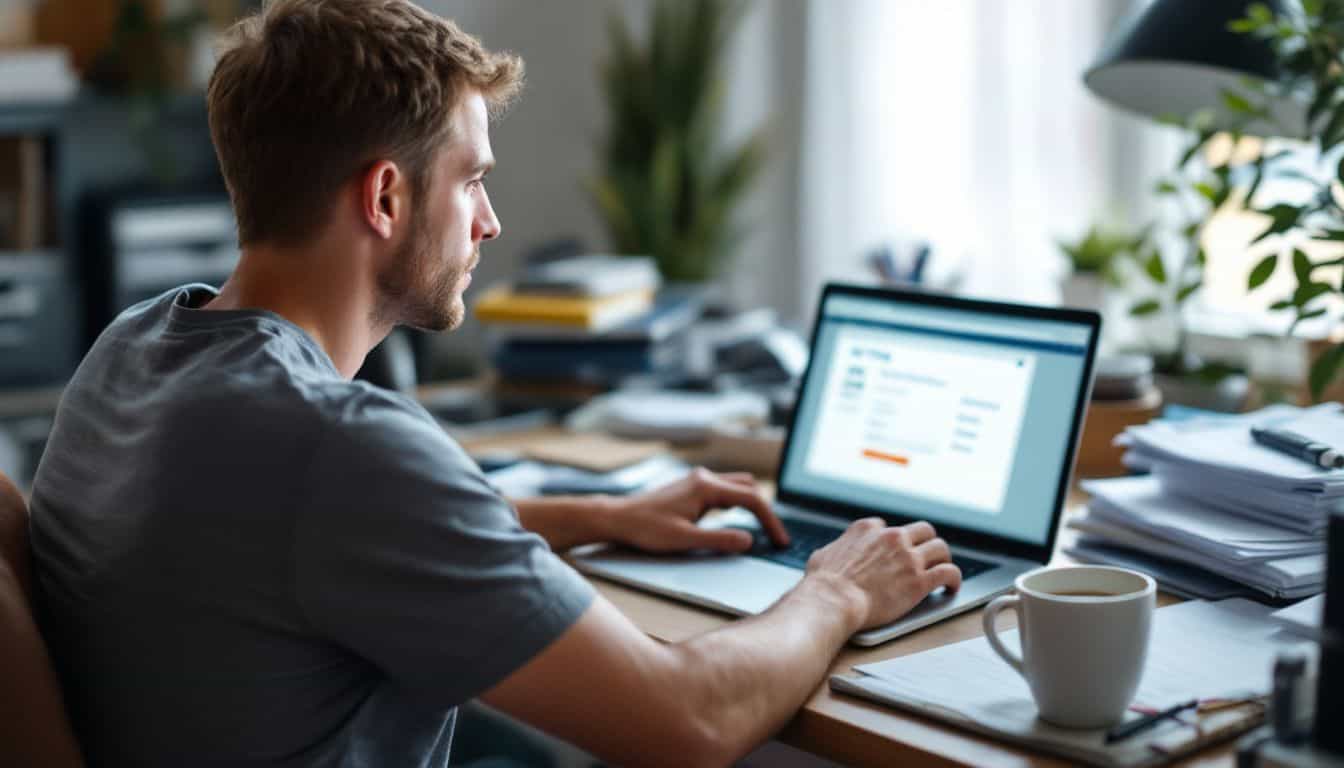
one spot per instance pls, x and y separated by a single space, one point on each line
893 458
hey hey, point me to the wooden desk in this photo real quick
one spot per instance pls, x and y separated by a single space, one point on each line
843 728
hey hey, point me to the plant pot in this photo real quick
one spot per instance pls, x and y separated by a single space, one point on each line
1227 396
1098 455
1083 290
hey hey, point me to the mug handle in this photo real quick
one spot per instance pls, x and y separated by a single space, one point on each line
992 634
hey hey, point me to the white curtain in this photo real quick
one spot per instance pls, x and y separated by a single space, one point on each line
965 123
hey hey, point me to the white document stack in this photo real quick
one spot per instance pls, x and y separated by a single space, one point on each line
1218 509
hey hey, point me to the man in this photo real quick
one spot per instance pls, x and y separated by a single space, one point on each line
246 558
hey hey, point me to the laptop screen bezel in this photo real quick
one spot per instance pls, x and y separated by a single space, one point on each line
954 534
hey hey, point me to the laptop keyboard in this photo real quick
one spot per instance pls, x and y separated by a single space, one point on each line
806 538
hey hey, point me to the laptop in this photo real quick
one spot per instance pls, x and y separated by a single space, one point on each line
913 407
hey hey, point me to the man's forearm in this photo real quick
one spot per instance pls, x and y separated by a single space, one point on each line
749 678
566 522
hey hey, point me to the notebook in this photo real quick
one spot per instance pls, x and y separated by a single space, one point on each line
1197 650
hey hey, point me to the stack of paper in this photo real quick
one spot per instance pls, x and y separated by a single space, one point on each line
1216 462
1217 502
536 478
1136 513
666 415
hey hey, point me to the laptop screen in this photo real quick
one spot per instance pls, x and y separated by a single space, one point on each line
961 415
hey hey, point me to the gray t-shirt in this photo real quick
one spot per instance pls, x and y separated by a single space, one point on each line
244 559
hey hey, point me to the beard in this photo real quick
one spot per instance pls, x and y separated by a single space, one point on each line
421 290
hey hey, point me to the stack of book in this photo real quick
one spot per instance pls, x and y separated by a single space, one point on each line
585 325
1219 514
36 76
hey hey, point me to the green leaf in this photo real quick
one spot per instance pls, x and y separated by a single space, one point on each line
1165 187
1260 14
1301 266
1255 181
1147 307
1235 102
1281 304
1319 104
1334 130
1283 217
1262 271
1214 372
1207 191
1315 313
1242 26
1305 294
1325 369
1155 268
1312 7
1186 292
1201 258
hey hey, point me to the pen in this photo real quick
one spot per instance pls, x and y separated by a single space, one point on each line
1299 446
1125 730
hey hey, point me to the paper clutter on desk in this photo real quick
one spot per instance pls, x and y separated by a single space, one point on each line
1214 461
593 451
1218 513
668 415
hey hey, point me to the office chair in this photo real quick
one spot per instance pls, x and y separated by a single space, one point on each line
34 728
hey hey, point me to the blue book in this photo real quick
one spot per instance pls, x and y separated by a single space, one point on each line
603 362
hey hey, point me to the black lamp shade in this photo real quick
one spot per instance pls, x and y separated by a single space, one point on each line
1177 57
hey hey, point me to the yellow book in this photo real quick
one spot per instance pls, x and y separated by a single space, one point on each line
501 305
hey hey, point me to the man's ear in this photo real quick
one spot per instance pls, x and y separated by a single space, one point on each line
383 197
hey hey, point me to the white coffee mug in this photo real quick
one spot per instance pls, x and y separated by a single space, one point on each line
1084 634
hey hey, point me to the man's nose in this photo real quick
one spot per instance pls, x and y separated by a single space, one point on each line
487 223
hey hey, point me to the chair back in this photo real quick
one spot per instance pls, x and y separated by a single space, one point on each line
34 728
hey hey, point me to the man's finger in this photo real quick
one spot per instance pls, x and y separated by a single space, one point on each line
933 552
739 478
726 494
943 575
919 532
717 539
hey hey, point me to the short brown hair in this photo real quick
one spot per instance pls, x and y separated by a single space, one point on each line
307 93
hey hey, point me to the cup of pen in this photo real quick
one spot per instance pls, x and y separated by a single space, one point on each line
1084 636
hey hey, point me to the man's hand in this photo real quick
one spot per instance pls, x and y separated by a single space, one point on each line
663 520
887 570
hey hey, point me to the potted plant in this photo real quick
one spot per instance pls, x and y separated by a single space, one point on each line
1161 269
1094 264
667 186
1309 47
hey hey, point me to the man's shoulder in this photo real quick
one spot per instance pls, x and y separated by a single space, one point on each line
380 428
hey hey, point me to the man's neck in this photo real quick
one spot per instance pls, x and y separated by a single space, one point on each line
328 297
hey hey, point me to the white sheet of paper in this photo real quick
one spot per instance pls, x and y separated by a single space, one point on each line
1142 498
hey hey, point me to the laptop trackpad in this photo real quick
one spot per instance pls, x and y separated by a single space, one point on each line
935 600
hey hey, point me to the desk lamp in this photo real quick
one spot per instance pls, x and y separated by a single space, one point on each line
1174 57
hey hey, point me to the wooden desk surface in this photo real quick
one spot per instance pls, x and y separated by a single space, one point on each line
846 729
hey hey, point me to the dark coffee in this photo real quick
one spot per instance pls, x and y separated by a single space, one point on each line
1082 593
